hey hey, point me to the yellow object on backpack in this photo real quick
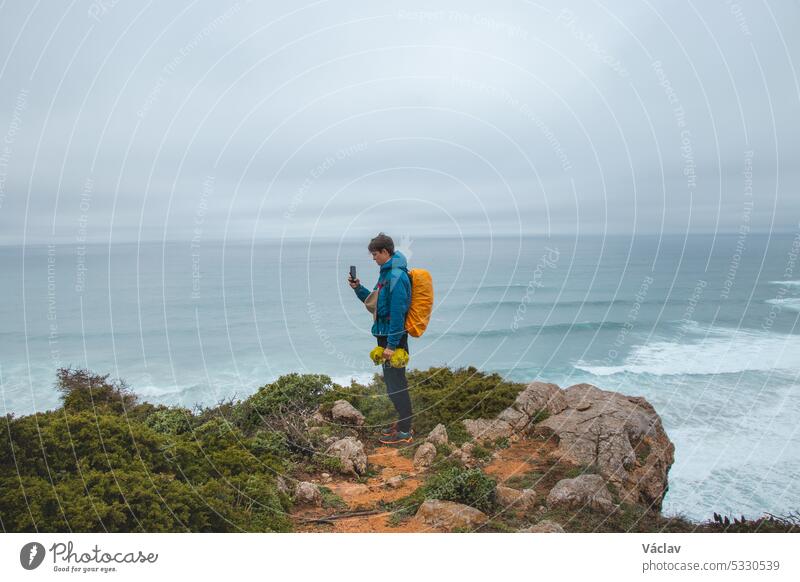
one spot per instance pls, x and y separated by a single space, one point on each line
421 304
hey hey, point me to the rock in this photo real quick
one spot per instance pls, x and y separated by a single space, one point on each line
584 490
308 494
544 526
424 456
540 396
464 454
516 420
345 413
350 451
330 440
438 436
448 515
620 436
395 482
484 429
536 397
510 497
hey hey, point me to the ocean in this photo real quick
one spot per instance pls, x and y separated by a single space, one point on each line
703 326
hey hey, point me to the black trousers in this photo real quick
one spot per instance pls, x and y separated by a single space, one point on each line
397 386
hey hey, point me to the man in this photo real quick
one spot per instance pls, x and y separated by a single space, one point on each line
393 296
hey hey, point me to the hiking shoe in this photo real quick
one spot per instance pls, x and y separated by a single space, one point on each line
398 438
389 430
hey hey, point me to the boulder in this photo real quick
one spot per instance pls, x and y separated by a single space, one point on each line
350 451
438 436
484 429
346 413
544 526
583 491
535 398
448 515
308 494
424 456
539 396
619 436
510 497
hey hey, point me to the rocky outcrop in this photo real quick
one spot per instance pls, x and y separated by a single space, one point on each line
438 436
484 429
350 451
582 491
448 515
308 494
621 437
537 397
345 413
424 456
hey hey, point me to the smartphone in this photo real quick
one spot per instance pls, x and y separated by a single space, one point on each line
353 272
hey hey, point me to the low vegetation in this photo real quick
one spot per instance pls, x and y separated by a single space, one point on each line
104 461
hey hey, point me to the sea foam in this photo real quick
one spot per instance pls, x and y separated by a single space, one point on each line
718 351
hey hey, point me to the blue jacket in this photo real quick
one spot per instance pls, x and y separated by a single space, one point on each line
392 306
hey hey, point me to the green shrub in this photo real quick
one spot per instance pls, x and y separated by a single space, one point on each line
170 420
83 469
83 390
283 406
289 394
467 486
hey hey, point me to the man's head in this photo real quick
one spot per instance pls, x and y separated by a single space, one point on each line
381 247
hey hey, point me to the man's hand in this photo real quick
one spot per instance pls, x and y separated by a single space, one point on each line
354 283
388 353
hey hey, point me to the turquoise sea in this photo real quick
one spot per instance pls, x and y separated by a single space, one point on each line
705 327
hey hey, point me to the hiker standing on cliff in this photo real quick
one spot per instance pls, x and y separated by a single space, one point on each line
392 293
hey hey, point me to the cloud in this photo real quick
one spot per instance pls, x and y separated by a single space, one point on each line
467 118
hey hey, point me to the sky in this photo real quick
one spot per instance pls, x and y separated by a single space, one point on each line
128 121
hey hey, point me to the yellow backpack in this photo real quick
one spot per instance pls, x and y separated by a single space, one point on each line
421 304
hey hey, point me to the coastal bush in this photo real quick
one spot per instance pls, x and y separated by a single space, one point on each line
82 389
467 486
284 406
93 467
170 420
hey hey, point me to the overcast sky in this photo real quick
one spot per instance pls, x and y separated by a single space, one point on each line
132 120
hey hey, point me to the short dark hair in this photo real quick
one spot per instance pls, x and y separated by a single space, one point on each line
380 242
